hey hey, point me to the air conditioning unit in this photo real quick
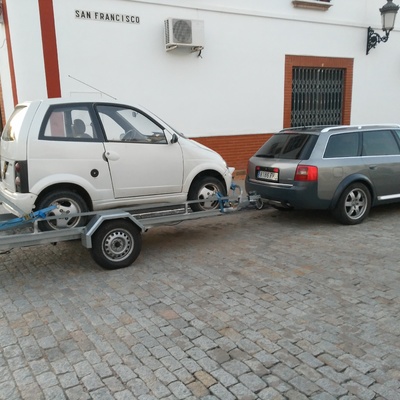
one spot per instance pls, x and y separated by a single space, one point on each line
184 33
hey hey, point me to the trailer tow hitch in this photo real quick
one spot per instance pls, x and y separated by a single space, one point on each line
238 201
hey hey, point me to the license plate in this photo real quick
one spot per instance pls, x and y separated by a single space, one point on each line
268 175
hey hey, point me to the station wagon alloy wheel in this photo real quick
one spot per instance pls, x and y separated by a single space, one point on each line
354 204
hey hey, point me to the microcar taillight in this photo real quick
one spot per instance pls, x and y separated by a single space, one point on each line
17 177
21 176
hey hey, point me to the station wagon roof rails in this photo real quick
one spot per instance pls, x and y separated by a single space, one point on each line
379 126
365 126
338 127
305 128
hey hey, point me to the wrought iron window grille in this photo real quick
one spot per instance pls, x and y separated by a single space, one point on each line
317 96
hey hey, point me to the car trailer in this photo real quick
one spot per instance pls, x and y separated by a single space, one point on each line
113 236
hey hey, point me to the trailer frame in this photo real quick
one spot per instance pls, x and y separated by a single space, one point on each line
114 236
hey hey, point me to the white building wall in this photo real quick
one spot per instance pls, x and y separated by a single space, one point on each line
26 41
235 87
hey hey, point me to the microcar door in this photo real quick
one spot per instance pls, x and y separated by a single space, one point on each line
142 159
69 149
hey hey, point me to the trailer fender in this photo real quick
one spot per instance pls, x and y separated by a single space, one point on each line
98 219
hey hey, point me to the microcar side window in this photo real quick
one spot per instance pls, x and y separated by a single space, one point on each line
128 125
72 123
379 143
13 125
343 145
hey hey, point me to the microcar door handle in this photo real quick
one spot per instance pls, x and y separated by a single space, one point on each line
373 167
111 155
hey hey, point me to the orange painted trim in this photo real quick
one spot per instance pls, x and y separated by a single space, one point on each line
49 42
317 62
10 54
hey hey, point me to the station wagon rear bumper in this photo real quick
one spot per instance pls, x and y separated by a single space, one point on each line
299 195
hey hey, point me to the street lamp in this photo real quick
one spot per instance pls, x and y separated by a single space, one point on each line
388 13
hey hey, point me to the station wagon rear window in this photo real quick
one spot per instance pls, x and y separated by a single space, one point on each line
291 146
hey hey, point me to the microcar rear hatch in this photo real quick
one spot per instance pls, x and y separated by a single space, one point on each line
13 153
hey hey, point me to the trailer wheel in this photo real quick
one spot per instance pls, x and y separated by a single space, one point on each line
116 244
67 202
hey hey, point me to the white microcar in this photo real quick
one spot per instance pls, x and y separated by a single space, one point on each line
96 155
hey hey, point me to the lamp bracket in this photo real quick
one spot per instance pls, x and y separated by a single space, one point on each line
373 39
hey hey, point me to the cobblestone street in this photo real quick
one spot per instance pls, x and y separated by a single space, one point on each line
251 305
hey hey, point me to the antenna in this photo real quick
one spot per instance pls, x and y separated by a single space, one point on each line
92 87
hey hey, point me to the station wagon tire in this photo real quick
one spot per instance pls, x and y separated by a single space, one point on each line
116 244
353 205
204 188
68 202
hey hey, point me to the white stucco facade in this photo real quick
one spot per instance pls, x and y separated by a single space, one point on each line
235 86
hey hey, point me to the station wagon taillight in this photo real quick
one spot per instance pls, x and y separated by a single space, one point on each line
306 173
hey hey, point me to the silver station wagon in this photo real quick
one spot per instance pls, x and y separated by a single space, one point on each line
346 169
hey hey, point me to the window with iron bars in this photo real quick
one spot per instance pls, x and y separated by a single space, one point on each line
317 96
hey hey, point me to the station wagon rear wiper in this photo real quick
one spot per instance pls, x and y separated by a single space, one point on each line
269 155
